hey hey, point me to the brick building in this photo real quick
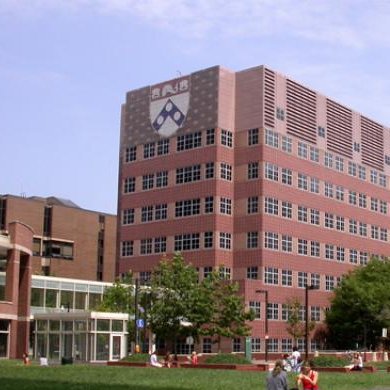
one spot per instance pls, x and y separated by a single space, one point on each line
250 172
68 241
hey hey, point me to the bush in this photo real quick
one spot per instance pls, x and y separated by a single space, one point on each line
227 358
137 357
330 361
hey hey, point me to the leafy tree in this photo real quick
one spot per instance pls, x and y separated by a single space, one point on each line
360 306
296 327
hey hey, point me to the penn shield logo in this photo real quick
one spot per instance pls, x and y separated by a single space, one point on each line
169 105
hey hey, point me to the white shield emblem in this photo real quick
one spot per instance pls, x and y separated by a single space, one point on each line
168 112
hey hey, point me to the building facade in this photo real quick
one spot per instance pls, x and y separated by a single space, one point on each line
68 240
274 184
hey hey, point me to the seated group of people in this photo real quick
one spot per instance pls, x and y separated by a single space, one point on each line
171 360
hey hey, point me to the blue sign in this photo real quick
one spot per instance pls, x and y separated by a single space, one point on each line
140 323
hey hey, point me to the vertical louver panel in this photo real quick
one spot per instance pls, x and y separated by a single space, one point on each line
301 112
372 143
339 128
269 98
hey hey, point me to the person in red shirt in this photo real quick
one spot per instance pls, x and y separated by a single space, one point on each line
308 378
194 358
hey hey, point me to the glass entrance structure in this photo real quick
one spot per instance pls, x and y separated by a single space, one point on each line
80 336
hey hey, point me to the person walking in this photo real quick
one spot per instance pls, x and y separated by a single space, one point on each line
277 378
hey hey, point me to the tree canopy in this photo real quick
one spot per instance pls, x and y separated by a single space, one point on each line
360 307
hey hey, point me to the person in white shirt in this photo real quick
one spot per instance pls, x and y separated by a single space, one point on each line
296 360
153 360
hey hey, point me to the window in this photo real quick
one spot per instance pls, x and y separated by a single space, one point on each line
185 242
314 217
287 176
340 193
147 214
302 181
256 307
280 113
227 138
127 248
302 246
356 147
253 170
209 170
189 141
252 240
329 251
127 216
131 154
362 200
163 147
207 271
129 185
329 190
187 208
315 248
315 313
352 226
273 345
207 343
149 150
271 206
340 254
146 246
271 240
363 258
374 204
225 240
352 197
286 277
188 174
286 144
315 280
351 168
160 212
286 210
363 229
271 138
208 240
340 225
382 180
362 173
226 171
328 160
339 164
162 179
236 344
302 213
314 154
273 311
287 345
160 245
286 243
383 206
314 185
383 234
252 272
253 203
210 136
329 283
321 131
225 273
253 136
271 171
353 256
302 279
375 232
209 204
148 181
225 206
329 220
255 344
271 275
302 150
374 177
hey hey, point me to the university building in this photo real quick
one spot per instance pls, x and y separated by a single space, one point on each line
250 172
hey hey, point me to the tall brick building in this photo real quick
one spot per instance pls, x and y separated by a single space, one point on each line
68 241
250 172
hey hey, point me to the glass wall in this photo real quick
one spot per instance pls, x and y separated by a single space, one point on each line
4 338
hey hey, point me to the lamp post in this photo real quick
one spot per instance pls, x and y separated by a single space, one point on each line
265 292
307 288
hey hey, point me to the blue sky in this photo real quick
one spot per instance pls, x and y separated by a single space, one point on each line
65 66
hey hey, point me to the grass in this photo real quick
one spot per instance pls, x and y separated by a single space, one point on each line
13 375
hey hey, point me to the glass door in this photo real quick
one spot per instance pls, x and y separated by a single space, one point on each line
116 347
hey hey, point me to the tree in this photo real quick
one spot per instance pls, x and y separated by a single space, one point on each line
226 315
360 305
296 327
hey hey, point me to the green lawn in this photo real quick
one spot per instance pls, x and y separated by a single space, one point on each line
13 375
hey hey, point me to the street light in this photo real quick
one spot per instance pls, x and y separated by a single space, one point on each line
307 288
265 292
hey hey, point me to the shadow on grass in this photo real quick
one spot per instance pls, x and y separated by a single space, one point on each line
19 384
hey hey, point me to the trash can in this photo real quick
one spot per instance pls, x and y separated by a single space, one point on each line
66 360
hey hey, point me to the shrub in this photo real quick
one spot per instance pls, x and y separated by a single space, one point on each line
330 361
227 358
137 357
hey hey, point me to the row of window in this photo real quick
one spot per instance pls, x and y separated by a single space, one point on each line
183 142
182 242
313 184
331 160
304 214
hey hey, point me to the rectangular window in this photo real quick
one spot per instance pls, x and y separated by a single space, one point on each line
314 217
375 232
187 208
127 248
147 213
271 138
255 344
340 193
162 179
129 185
149 150
210 136
383 234
302 279
236 344
321 131
253 170
382 180
253 136
362 173
209 205
273 311
207 271
252 240
160 245
148 182
207 344
352 226
302 246
271 275
329 283
287 345
271 171
208 240
227 138
363 258
286 243
287 176
185 242
329 220
353 256
286 209
363 229
340 223
209 170
256 308
302 213
362 200
189 141
225 240
328 160
315 312
225 206
127 216
252 272
253 205
280 113
328 190
161 212
383 206
315 280
188 174
315 248
271 240
286 277
314 154
146 246
329 251
226 171
163 147
302 181
374 177
314 185
339 164
302 150
271 206
352 197
286 144
340 254
351 168
131 154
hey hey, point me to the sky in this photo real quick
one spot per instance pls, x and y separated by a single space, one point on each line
66 65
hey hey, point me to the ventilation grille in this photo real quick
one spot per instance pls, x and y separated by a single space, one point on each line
339 128
269 98
301 112
372 143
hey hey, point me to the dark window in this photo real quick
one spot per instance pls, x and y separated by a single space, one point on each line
3 209
47 220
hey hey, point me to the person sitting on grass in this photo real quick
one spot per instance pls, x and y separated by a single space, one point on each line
153 360
168 360
193 358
